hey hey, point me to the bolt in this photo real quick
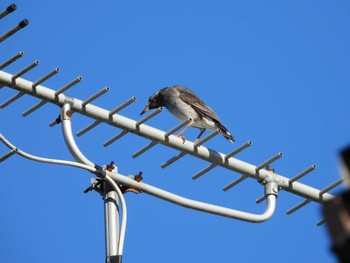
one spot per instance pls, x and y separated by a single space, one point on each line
69 113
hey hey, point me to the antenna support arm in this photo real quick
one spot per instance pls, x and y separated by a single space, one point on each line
271 190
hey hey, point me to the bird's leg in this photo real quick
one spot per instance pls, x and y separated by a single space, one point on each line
181 132
199 135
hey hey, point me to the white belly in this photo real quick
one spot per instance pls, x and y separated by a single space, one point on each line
183 111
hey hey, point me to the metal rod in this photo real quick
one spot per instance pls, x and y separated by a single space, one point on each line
123 219
178 127
227 156
149 116
238 150
235 182
207 138
303 173
69 138
111 222
9 33
269 161
144 149
34 108
26 69
331 186
57 92
95 96
321 222
43 102
196 144
68 86
204 171
46 77
8 10
8 155
173 159
88 128
46 160
11 60
53 123
260 199
12 99
56 121
113 139
122 106
200 206
150 145
298 206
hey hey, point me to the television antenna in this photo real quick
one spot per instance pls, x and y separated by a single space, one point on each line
111 184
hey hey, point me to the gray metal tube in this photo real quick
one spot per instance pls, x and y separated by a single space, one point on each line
13 30
197 205
111 221
68 136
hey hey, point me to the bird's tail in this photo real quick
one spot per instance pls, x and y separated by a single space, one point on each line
226 133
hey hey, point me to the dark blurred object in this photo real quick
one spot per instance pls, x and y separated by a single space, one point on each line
337 214
345 165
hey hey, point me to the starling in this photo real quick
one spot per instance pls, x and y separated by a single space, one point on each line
184 104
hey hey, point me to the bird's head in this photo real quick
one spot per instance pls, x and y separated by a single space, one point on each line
153 102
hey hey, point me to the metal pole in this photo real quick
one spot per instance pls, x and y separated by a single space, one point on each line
110 196
112 232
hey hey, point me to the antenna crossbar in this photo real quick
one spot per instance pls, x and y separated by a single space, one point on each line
159 136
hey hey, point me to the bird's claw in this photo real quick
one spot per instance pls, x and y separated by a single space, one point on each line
268 168
182 137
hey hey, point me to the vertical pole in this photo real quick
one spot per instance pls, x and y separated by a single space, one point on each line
111 224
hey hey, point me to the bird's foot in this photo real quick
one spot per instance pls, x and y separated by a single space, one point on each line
182 137
268 168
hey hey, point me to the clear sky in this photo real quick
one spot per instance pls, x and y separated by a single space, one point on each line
276 72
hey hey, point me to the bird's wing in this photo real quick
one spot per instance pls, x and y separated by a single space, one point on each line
197 104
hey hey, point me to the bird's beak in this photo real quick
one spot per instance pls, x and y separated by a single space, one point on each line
145 109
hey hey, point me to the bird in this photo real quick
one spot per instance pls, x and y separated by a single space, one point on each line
184 104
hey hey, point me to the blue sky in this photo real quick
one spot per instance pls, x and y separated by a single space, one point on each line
276 72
